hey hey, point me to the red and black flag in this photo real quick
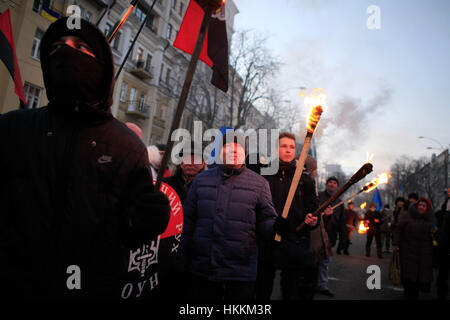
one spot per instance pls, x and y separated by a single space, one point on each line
8 54
215 47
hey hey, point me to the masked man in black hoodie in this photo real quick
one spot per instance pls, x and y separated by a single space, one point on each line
75 186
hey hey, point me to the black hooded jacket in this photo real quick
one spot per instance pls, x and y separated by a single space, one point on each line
294 244
75 189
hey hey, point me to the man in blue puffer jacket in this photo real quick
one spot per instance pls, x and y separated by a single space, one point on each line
226 210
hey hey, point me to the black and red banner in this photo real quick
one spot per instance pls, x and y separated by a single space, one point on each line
8 54
215 47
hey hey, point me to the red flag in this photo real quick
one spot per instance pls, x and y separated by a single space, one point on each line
215 47
8 54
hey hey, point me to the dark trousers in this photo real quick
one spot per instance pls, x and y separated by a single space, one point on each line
298 283
349 237
370 235
206 290
410 290
264 280
343 239
386 238
442 279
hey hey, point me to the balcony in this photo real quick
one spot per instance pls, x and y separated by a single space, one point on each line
137 109
159 122
142 71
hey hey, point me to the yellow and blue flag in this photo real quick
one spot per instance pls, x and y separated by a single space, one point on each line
377 200
49 14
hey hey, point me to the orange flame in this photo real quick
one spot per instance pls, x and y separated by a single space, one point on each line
314 118
375 182
362 227
363 205
316 101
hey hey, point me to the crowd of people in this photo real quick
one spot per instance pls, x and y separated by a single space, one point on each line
77 189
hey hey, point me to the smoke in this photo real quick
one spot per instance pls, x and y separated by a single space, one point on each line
350 122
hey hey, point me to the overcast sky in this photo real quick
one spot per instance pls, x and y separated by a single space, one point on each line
385 86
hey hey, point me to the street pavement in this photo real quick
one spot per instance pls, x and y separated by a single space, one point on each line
348 276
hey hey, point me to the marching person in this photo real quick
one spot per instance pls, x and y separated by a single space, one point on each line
413 197
333 223
176 284
399 207
191 165
320 248
291 254
373 220
386 228
413 239
443 238
76 184
351 220
228 209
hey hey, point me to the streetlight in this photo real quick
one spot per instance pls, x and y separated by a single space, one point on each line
422 137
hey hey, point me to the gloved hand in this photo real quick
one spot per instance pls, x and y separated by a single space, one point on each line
146 218
280 226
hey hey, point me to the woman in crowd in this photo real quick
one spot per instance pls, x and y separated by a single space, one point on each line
413 239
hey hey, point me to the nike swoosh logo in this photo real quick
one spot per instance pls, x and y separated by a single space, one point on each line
104 159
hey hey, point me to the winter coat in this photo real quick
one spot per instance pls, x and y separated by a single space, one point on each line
350 218
75 187
178 183
387 218
225 212
294 246
413 237
334 223
369 219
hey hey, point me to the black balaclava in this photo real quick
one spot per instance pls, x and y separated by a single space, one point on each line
72 77
75 76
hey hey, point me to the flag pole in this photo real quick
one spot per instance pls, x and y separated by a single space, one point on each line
184 92
134 41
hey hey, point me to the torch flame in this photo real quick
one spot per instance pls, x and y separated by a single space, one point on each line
362 228
363 205
316 101
369 156
375 182
314 118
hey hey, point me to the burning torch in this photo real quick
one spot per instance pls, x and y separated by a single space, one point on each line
316 100
112 34
360 174
382 178
362 226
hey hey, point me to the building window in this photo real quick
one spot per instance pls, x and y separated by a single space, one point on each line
132 104
108 28
148 62
151 23
123 92
168 71
181 7
116 41
161 72
37 5
32 95
88 15
140 14
160 113
174 4
140 55
169 31
36 43
142 101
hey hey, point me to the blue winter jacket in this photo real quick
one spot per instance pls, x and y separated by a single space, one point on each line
225 211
